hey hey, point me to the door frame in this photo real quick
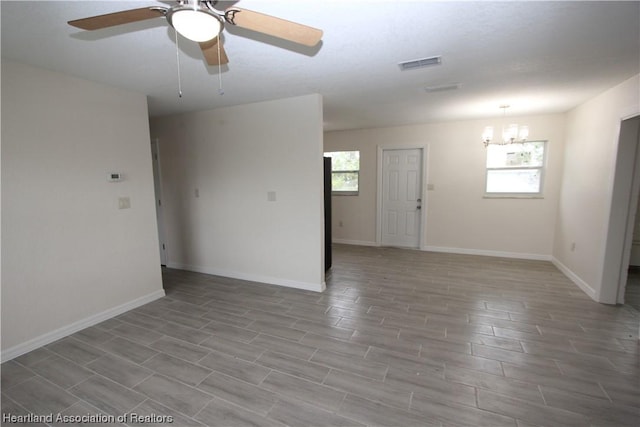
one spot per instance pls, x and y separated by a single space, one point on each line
424 148
158 199
626 189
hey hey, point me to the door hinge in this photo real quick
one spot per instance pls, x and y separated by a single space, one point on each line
163 248
159 202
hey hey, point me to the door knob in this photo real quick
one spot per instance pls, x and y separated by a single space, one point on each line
419 207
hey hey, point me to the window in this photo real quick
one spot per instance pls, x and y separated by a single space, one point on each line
345 172
515 169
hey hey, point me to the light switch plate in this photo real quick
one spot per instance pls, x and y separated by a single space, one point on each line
271 196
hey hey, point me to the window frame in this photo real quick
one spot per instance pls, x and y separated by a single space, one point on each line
343 172
519 195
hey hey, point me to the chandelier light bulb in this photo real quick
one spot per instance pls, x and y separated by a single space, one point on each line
510 134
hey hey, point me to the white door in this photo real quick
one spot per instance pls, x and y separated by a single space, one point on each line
155 156
401 197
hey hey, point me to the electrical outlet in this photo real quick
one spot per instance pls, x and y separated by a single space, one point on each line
573 246
340 224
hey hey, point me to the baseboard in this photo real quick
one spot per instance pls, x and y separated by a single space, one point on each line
575 279
307 286
354 242
482 252
74 327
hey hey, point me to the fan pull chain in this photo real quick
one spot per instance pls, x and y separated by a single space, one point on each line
178 62
220 90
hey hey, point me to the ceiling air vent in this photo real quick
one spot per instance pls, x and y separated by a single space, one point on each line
442 88
420 63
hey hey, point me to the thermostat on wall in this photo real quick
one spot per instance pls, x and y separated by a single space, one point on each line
114 177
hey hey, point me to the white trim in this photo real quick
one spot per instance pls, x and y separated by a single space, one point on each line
609 264
483 252
308 286
575 279
627 241
512 196
59 333
612 269
162 232
354 242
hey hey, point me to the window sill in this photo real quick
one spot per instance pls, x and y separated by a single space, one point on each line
513 196
344 193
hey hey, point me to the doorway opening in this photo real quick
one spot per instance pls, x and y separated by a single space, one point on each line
622 218
629 287
157 186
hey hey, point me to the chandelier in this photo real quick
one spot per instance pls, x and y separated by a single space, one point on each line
511 133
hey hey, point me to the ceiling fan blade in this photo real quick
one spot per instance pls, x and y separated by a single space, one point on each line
210 52
273 26
117 18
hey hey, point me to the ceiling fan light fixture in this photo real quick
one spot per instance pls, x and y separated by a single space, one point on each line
198 25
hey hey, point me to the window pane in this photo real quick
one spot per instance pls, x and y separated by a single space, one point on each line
530 154
344 181
513 181
344 160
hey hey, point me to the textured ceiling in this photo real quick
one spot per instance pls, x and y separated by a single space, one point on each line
539 57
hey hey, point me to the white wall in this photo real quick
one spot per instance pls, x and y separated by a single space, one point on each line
234 157
592 132
70 257
459 219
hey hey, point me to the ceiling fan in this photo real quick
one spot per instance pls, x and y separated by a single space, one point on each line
199 21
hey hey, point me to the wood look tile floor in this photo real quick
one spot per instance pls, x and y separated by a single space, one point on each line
632 291
399 338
